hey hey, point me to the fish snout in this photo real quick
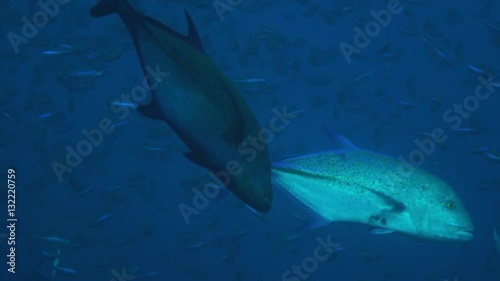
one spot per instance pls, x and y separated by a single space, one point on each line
463 232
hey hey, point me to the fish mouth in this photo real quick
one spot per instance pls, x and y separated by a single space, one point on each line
465 234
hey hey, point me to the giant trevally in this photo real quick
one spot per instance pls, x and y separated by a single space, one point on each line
356 185
199 103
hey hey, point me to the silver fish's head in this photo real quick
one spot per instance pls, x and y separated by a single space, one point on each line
444 216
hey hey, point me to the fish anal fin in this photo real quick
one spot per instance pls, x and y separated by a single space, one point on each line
151 110
381 231
197 158
393 205
312 223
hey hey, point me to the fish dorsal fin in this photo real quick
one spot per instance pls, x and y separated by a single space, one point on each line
340 140
151 110
193 39
193 36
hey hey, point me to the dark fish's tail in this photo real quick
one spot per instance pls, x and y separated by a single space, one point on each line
106 7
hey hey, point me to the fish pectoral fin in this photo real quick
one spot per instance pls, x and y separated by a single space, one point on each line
393 205
151 110
386 217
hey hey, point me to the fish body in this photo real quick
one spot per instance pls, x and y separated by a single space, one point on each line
356 185
50 255
407 105
100 220
466 131
124 104
478 70
250 80
496 239
66 271
196 245
480 150
199 103
53 239
492 157
440 54
86 74
493 27
45 115
50 53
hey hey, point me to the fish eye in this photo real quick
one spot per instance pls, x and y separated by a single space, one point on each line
449 205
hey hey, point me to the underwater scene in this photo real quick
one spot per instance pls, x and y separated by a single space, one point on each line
250 140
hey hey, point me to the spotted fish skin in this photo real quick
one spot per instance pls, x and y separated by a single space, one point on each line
357 185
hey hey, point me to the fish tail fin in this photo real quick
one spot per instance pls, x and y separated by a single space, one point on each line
106 7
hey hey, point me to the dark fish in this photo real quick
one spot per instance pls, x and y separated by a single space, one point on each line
199 103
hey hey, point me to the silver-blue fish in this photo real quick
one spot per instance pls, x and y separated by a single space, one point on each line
357 185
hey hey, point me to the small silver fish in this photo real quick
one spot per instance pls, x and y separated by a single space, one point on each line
493 27
86 74
86 190
66 271
50 255
478 70
492 157
45 115
468 131
480 150
406 105
99 221
439 53
149 274
52 53
496 238
250 80
124 104
380 231
52 239
195 245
